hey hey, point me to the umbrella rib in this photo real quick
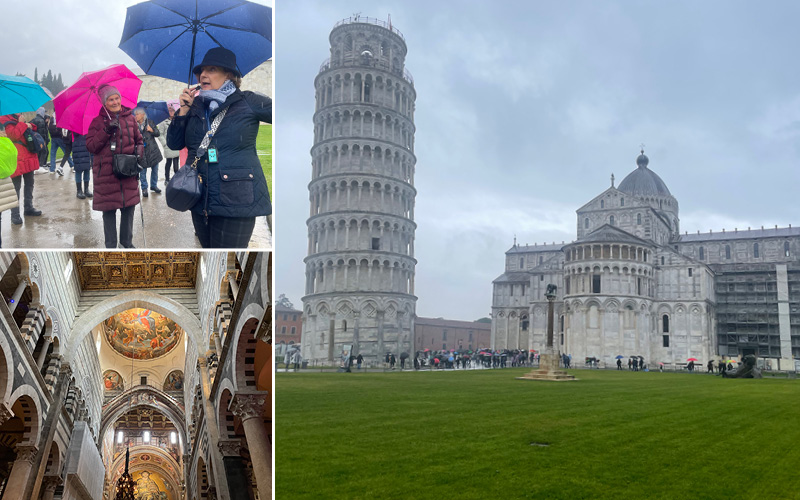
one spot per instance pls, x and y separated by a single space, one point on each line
224 10
147 29
156 28
173 11
232 28
14 91
163 49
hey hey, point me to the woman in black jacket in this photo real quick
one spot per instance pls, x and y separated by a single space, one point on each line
234 187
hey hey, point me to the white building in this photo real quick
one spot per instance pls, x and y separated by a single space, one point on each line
360 264
631 284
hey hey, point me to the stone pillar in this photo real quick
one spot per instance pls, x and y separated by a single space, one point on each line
20 473
212 428
23 283
786 361
49 485
249 406
48 431
217 343
232 282
238 481
43 353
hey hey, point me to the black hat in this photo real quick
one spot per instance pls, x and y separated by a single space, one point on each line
219 57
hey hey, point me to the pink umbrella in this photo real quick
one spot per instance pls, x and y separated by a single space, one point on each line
77 105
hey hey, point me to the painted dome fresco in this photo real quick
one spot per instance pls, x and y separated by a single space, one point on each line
141 334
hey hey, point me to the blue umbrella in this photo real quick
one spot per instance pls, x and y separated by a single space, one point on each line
19 94
167 38
619 356
156 110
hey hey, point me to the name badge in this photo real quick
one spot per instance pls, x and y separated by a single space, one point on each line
212 155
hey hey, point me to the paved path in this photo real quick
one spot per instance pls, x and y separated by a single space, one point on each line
68 222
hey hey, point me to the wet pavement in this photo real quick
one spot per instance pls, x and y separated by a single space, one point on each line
68 222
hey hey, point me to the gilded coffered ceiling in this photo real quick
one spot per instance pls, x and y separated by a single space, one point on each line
132 270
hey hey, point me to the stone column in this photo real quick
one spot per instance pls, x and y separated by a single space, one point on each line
217 343
20 472
43 353
249 406
238 481
231 275
50 483
23 283
212 428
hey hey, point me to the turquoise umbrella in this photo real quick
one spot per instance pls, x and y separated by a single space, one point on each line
19 94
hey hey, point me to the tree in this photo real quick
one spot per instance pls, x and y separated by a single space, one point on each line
284 301
483 320
36 75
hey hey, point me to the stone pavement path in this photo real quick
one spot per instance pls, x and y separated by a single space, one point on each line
68 222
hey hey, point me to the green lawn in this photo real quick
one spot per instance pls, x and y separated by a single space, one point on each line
468 435
264 145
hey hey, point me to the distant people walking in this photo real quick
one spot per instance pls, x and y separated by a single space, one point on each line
152 155
392 361
114 125
630 364
173 157
690 366
619 364
82 165
59 140
710 366
297 358
641 364
27 164
359 360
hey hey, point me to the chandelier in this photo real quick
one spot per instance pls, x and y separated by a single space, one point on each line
125 483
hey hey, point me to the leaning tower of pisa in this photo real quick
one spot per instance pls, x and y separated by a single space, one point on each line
360 264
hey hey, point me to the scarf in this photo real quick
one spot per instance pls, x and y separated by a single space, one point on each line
214 98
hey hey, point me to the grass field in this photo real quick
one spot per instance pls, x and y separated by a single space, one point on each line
468 435
264 145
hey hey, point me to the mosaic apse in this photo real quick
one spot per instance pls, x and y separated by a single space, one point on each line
141 333
149 485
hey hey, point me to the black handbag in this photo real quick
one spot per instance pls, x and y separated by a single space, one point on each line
125 166
186 187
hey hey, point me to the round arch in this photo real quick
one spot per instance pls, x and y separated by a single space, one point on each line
140 397
167 465
128 300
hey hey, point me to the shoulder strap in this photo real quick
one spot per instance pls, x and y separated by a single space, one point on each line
201 151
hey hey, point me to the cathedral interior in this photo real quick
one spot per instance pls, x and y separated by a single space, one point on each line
141 370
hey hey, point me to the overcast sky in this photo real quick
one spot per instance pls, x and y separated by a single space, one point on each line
65 36
525 109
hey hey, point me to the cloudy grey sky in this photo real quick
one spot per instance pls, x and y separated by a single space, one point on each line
524 110
65 36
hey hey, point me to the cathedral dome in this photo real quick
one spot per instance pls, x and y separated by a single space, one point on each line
643 181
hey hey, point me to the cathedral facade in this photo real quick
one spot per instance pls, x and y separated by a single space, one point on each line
632 285
155 364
